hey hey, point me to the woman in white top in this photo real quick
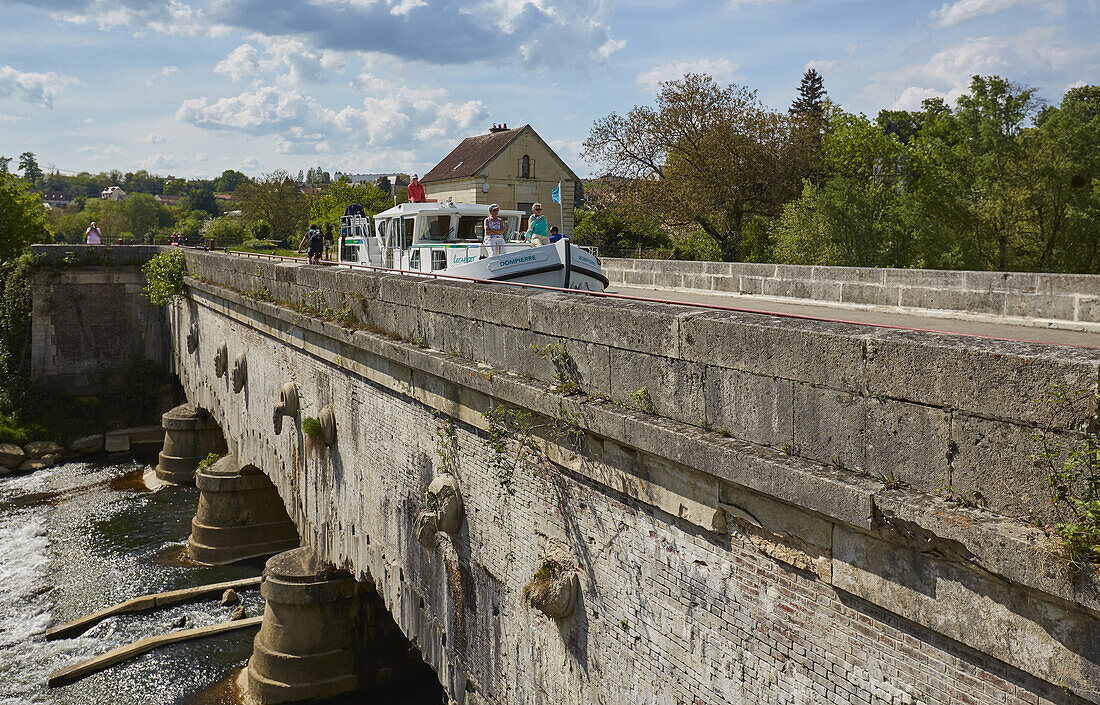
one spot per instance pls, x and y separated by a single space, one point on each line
92 235
494 231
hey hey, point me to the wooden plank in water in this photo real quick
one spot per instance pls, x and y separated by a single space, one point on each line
145 603
73 673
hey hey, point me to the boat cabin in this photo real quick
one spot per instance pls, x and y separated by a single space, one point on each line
424 237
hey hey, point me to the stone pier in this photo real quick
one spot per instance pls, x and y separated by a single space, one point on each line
324 634
240 515
190 434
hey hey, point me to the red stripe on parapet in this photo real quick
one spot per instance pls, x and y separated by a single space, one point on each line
647 299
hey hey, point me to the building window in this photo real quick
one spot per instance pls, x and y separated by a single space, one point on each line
525 168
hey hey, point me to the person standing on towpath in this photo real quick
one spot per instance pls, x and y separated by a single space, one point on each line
93 235
316 242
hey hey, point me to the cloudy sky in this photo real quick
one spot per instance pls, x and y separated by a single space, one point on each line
193 87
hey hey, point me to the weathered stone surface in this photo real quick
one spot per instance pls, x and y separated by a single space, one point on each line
750 614
52 459
87 445
32 466
238 613
11 455
229 597
38 449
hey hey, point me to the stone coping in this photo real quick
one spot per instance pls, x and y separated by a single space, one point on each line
991 543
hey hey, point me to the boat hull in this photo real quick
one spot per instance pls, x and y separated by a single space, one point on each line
560 264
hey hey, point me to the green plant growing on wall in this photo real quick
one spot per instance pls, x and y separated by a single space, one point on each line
643 402
565 369
312 428
164 277
210 460
1074 480
446 446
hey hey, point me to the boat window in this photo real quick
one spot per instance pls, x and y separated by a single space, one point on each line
406 233
414 260
382 230
471 227
439 259
439 227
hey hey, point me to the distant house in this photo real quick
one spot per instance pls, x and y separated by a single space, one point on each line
514 168
55 199
166 200
311 190
113 193
223 196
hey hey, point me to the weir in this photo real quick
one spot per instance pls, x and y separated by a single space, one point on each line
560 498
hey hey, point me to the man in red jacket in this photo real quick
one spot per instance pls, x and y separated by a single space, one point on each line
416 191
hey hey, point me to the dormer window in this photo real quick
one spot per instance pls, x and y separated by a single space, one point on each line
525 167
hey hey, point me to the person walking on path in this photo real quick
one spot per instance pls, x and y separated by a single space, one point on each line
536 227
494 231
93 235
316 242
416 191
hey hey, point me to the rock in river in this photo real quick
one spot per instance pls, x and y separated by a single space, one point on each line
11 455
87 444
37 449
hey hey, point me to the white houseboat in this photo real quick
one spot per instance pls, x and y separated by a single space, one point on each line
448 238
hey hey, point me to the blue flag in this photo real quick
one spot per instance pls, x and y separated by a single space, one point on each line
556 193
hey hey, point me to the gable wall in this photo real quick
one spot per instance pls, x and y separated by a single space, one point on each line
508 189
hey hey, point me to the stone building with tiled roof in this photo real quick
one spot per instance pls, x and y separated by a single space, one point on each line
514 168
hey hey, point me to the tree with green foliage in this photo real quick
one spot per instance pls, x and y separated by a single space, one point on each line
5 164
608 229
229 181
706 156
277 199
1063 153
175 187
22 218
326 208
201 198
29 166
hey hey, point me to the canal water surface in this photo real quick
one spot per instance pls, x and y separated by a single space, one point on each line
82 536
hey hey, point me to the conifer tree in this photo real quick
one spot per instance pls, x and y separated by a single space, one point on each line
811 95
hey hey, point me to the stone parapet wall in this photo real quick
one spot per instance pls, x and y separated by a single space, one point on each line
712 569
1057 297
933 411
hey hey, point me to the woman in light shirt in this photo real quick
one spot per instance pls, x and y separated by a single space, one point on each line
494 231
92 235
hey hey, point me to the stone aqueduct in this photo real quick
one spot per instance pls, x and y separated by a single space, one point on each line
565 499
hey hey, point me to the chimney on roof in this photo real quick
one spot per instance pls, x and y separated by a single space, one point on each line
503 127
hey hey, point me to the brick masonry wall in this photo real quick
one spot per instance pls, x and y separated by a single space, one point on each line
1061 297
778 605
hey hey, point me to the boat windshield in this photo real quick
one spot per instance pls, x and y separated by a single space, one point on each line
471 227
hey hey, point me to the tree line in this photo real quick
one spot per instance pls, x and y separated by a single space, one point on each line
270 207
998 181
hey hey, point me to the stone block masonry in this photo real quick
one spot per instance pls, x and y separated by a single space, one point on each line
713 569
1035 296
941 413
90 318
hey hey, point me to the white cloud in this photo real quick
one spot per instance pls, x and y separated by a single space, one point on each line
404 7
101 152
158 161
822 65
948 72
4 117
166 71
35 88
611 46
953 13
242 62
155 138
395 126
202 157
722 70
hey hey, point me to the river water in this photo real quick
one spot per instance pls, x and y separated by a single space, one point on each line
82 536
